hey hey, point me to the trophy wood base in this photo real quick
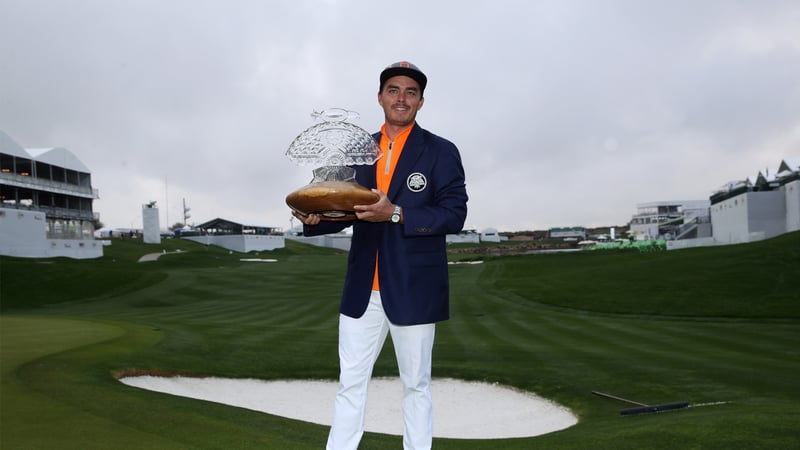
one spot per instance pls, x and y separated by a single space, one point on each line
332 200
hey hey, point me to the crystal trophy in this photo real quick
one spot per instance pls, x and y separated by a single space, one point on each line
334 145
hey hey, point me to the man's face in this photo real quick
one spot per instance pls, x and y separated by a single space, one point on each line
401 99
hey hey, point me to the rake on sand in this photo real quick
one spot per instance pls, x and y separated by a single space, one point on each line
642 408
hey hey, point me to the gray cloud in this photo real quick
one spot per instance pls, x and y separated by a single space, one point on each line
566 112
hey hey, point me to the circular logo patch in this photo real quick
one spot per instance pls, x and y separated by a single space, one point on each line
416 182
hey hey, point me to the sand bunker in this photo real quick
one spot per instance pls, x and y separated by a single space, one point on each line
461 410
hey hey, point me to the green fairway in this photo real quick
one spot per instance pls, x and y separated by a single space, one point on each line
699 325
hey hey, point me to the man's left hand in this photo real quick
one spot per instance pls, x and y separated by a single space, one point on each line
379 211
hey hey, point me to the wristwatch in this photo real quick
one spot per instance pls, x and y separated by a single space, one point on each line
396 214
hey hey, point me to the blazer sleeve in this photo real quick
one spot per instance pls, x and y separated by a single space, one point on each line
326 227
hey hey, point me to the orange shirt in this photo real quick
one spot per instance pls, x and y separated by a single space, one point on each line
384 169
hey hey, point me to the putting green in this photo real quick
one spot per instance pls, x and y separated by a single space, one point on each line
38 419
36 337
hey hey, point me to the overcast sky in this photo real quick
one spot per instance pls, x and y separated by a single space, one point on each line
567 113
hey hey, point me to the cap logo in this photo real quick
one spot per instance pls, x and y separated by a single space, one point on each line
404 68
416 182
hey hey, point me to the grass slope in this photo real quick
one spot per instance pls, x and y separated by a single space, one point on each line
758 280
699 325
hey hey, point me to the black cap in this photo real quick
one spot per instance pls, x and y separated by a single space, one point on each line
407 69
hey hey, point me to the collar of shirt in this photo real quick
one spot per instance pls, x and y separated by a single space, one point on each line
391 149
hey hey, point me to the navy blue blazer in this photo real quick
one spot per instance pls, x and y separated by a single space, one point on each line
428 183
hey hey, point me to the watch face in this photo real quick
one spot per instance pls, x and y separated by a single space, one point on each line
395 218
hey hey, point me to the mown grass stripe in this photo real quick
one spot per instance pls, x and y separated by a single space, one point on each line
558 325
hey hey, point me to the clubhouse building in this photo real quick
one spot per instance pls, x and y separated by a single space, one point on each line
740 211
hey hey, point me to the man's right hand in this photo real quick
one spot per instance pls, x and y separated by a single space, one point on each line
310 219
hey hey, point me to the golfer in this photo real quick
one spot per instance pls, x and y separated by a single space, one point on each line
396 280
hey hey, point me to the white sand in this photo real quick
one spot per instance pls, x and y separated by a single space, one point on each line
465 410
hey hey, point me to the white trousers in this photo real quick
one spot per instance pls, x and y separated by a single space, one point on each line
360 343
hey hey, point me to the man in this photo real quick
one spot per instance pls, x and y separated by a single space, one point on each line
396 278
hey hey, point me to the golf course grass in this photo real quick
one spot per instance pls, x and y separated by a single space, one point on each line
716 327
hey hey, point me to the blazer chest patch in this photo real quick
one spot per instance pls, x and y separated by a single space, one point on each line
416 182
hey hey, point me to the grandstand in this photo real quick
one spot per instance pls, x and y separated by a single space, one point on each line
46 200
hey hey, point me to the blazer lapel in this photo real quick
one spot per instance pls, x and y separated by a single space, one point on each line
415 146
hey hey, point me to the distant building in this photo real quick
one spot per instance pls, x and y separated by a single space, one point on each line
235 236
490 235
758 208
671 220
740 211
789 176
340 240
46 200
567 233
151 230
465 236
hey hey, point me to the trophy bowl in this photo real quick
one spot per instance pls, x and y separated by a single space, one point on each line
337 145
332 200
